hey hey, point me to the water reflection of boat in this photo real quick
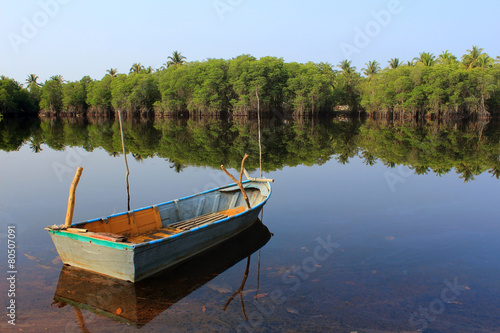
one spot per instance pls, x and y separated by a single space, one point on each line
138 303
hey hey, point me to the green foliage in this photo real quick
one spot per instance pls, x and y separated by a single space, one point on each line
239 75
347 88
442 89
99 95
176 86
75 95
309 87
248 77
134 93
13 98
210 94
51 99
426 86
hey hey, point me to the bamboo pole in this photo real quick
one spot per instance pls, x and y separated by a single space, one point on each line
238 182
71 199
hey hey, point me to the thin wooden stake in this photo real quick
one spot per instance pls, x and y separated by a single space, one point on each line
71 199
239 183
258 122
125 157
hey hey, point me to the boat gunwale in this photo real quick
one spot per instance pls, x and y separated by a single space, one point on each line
120 245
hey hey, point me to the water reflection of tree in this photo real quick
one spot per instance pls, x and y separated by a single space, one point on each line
35 145
469 149
178 167
368 158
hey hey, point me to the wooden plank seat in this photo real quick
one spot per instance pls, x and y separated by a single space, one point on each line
205 219
145 226
198 221
180 226
177 227
155 234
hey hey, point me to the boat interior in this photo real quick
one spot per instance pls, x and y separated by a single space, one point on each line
170 218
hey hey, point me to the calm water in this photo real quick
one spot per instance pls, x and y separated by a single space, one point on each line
409 217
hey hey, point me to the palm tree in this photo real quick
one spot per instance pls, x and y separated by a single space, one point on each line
31 81
469 60
446 58
394 63
113 72
347 79
372 68
410 63
175 59
484 61
426 58
136 68
58 78
346 67
148 70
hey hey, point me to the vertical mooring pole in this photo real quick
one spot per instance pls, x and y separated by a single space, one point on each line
71 199
127 173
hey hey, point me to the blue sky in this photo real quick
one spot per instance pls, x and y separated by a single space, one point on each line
76 38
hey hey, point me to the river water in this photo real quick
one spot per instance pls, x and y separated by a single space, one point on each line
366 231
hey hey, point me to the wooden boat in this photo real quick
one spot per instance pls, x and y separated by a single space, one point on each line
136 244
136 304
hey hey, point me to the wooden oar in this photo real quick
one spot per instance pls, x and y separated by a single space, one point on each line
71 199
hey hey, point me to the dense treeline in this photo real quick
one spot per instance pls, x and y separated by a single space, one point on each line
422 87
441 86
469 149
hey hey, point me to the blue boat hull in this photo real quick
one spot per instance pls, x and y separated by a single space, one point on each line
140 258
